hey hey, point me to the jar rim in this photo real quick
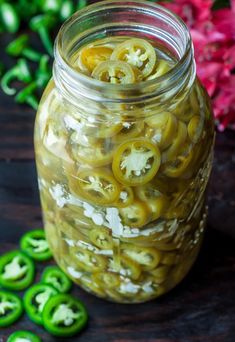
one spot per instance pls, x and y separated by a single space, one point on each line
102 86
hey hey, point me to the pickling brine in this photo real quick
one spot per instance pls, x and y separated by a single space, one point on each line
124 139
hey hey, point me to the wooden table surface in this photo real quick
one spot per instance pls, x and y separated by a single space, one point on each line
201 308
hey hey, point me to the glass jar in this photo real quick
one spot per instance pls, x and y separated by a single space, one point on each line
124 239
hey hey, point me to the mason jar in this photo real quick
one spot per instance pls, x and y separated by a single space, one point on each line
123 168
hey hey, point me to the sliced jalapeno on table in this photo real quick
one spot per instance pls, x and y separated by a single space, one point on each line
101 238
137 52
55 277
92 56
35 245
148 257
16 271
64 315
97 186
136 162
35 299
11 308
23 336
114 72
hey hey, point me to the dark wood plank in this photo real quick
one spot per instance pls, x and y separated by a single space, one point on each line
200 309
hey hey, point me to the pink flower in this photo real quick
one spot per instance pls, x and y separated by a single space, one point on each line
213 35
224 104
224 20
191 11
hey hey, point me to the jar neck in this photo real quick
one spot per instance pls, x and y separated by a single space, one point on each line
112 18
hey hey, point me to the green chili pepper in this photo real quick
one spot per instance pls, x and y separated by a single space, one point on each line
19 72
11 308
35 299
64 315
23 335
16 271
81 4
66 10
43 73
27 8
35 245
54 276
41 24
26 95
20 47
9 17
51 5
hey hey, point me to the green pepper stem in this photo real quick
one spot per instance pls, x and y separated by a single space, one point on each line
31 54
6 79
81 4
45 38
32 101
22 96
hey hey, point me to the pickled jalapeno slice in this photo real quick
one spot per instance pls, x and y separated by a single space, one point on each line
96 155
195 128
136 162
35 299
16 271
64 315
127 267
161 68
147 257
153 198
135 215
107 280
160 273
148 191
89 261
23 336
92 56
97 186
114 72
165 128
35 245
157 206
137 52
101 238
11 308
55 277
129 130
178 166
126 197
177 143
